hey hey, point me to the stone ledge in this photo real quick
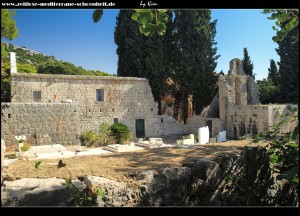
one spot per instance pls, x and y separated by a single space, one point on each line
76 77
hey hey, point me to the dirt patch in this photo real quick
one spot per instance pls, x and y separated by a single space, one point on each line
121 166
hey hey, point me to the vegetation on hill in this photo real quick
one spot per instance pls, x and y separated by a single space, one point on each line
29 61
41 63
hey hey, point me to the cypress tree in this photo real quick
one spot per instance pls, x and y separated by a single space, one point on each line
194 60
247 64
273 72
142 56
288 50
205 90
128 40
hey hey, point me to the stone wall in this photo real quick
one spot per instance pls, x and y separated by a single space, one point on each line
122 99
128 98
41 123
258 119
237 90
253 92
195 122
287 112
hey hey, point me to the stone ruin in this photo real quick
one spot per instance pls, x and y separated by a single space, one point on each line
236 67
236 108
52 108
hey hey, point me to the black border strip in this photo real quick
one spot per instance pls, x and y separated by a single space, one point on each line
168 4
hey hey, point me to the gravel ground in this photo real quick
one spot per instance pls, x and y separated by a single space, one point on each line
121 166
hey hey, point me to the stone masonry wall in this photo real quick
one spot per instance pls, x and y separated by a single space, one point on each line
258 119
237 90
41 123
195 122
242 120
288 112
125 99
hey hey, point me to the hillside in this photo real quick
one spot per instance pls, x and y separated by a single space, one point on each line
28 56
30 61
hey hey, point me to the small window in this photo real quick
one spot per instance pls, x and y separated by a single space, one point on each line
99 94
116 120
37 96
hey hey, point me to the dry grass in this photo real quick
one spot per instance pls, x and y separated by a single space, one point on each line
121 166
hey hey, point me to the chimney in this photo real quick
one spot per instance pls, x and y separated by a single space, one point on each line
13 63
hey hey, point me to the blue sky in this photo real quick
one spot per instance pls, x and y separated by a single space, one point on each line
71 35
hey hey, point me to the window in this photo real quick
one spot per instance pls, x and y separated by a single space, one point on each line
37 96
99 94
116 120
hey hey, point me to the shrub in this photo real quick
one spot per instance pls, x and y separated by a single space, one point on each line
25 147
88 138
104 137
120 132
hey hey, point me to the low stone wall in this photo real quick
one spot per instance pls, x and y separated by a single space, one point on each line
258 119
195 122
41 123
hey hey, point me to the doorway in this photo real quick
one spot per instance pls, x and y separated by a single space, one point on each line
140 128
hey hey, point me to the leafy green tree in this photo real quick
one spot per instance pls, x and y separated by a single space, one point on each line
9 31
288 51
194 59
150 21
5 83
8 25
273 72
268 91
247 64
286 20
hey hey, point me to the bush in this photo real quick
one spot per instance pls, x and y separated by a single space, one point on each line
25 147
104 137
88 138
120 132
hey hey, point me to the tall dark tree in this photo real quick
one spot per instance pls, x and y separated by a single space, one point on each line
128 40
273 72
195 57
141 56
247 64
288 50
